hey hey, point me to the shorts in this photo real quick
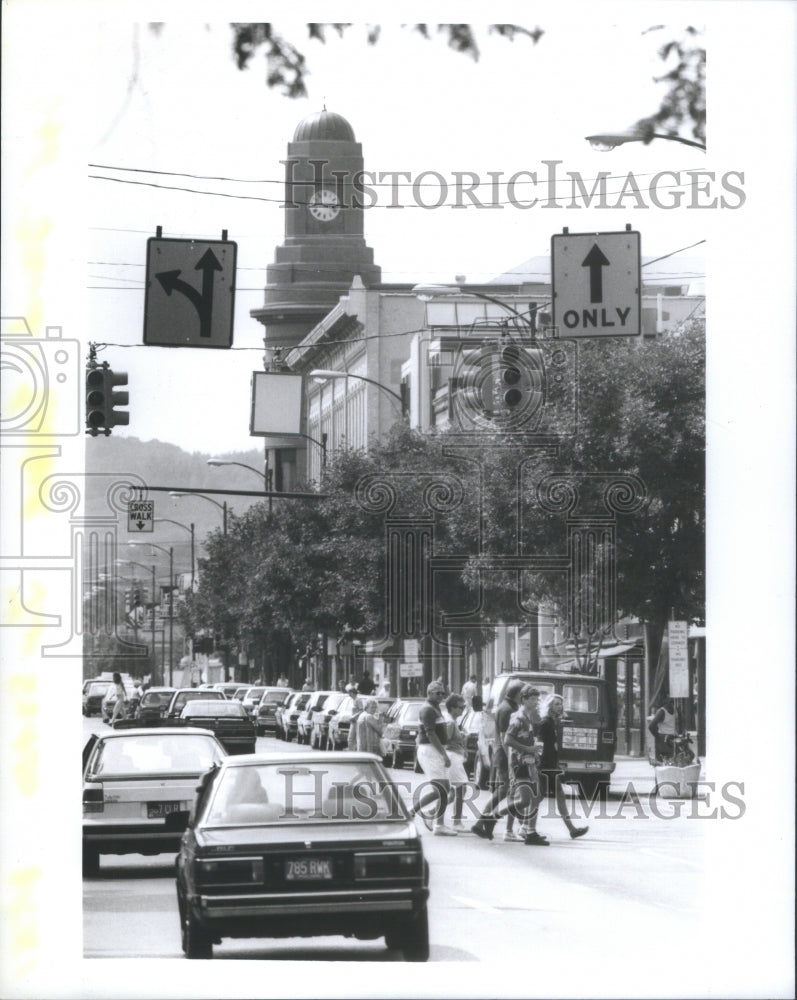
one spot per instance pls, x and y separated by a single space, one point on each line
431 762
457 774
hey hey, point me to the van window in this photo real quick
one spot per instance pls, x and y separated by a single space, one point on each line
580 697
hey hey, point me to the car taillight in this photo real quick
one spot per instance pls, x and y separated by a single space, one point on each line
230 871
388 864
93 799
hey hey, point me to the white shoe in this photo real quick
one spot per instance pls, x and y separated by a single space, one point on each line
458 825
444 831
523 830
511 837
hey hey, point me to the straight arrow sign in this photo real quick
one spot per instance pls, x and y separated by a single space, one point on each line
595 261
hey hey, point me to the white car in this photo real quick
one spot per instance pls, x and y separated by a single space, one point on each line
138 787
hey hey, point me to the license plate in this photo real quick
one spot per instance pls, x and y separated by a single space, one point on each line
157 810
308 869
593 763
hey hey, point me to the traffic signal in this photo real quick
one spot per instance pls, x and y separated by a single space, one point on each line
102 400
499 385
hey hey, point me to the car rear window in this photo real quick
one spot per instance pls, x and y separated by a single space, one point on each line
411 713
277 793
580 697
191 753
215 708
97 689
276 697
156 699
182 699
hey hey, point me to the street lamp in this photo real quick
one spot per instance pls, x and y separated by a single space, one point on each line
170 552
324 373
191 532
610 140
243 465
132 562
427 293
222 506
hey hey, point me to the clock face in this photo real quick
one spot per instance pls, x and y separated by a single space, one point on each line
324 205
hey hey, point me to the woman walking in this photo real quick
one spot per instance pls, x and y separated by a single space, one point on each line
549 733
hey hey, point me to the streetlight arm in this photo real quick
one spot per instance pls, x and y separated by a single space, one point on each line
428 292
223 461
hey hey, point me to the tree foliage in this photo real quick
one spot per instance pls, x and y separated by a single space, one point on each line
322 566
683 104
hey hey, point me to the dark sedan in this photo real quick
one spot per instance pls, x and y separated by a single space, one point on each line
401 731
301 845
154 704
228 720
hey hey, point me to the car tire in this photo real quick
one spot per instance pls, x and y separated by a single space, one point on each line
196 942
412 937
91 862
481 774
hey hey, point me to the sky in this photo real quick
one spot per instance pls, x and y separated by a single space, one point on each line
76 93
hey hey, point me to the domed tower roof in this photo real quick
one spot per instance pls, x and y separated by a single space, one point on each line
324 125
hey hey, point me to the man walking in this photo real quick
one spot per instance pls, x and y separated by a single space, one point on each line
432 756
499 771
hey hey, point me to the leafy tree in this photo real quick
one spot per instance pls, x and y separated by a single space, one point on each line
684 103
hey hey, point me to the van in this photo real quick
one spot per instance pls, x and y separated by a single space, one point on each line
588 740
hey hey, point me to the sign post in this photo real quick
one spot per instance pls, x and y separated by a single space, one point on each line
597 287
677 635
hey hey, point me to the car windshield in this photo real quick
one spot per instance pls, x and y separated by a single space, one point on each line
189 753
215 708
96 689
280 793
334 701
254 694
275 697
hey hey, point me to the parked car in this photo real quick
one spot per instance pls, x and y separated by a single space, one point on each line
265 712
587 743
340 724
94 693
401 731
251 699
385 702
300 845
154 704
322 717
241 692
138 786
227 688
227 719
304 722
287 715
182 696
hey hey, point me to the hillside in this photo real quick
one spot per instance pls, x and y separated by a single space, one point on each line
162 464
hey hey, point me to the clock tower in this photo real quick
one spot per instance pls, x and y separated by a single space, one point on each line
324 246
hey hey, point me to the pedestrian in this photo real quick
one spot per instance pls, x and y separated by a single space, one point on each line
365 685
384 690
121 698
282 681
432 755
499 769
457 775
486 685
664 727
469 690
308 684
369 728
549 733
524 751
353 741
